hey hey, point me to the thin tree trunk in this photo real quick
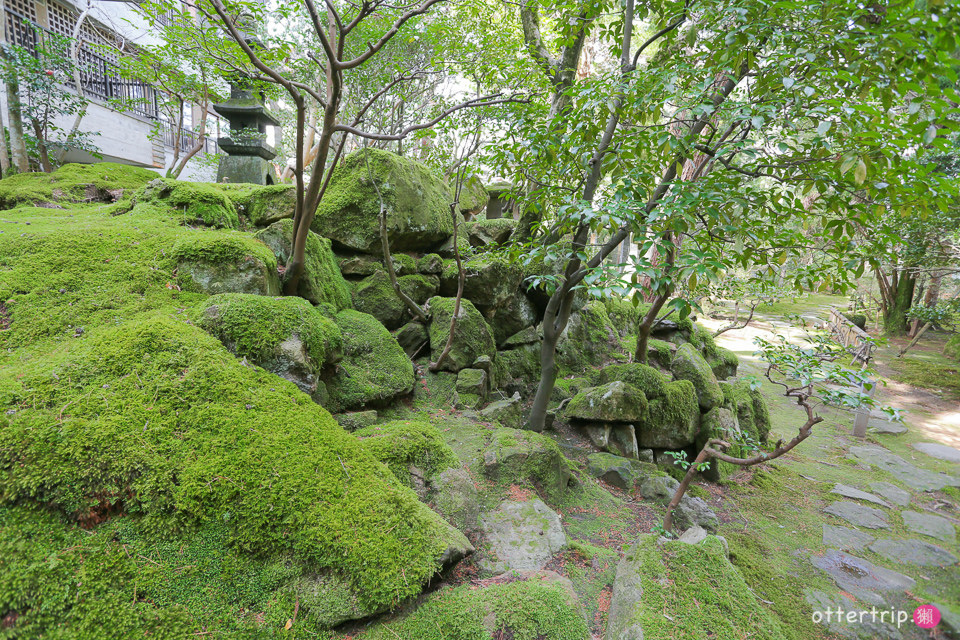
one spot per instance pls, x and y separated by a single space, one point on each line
18 144
4 154
41 146
78 85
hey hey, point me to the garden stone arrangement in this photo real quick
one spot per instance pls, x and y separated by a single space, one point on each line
185 452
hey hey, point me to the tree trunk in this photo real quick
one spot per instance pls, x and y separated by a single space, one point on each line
18 144
900 295
4 154
42 147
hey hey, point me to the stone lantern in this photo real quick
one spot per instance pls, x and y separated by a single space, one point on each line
248 154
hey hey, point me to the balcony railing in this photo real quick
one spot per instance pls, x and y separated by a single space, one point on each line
99 77
187 139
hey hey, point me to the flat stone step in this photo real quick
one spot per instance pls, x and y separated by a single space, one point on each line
859 515
937 450
891 492
918 552
930 525
845 538
912 476
856 494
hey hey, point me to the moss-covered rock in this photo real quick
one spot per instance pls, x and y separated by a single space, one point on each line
482 233
430 264
473 195
519 368
612 402
525 607
720 423
489 282
704 593
417 202
589 339
471 338
859 320
473 381
237 263
512 456
359 265
374 370
321 282
244 494
375 295
673 419
511 317
285 336
660 353
688 364
412 337
620 472
455 498
73 184
411 449
643 377
624 316
750 408
194 202
267 205
723 363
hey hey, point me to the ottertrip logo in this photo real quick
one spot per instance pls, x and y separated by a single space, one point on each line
926 616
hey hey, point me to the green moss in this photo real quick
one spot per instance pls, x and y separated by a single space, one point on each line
154 419
374 370
660 352
73 183
417 202
565 388
523 610
688 364
321 282
472 337
612 402
589 340
402 443
193 202
431 263
255 327
952 348
491 279
403 264
265 205
705 595
222 248
750 408
643 377
858 319
224 263
677 406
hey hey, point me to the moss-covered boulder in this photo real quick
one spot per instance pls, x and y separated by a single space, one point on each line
620 472
612 402
688 364
624 315
359 265
489 282
723 363
375 295
750 408
413 450
660 353
267 205
526 605
222 263
589 340
722 424
374 370
518 369
511 317
285 336
455 498
321 282
193 202
473 381
430 264
673 419
512 456
490 232
473 196
73 184
417 203
471 338
706 595
413 338
643 377
244 494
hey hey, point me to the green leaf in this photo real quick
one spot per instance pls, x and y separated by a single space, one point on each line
860 174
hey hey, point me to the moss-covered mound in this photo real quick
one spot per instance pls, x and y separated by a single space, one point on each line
285 336
226 263
156 421
417 203
952 348
73 184
612 402
193 202
536 606
321 282
641 376
673 419
688 364
270 204
402 444
472 337
374 369
705 595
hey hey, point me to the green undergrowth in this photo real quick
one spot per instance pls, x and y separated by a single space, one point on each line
521 610
156 421
927 370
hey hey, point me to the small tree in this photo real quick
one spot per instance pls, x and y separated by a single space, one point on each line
810 375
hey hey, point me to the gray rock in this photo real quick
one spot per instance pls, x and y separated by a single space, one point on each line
916 552
413 337
619 439
694 535
515 315
473 381
523 536
508 413
891 492
471 339
859 515
612 402
695 511
456 499
916 478
527 336
857 494
623 473
659 489
887 427
870 629
845 538
930 525
356 419
855 574
937 450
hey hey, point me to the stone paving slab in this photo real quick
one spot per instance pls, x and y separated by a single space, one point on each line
845 538
854 574
859 515
891 492
852 492
918 552
937 450
930 525
910 475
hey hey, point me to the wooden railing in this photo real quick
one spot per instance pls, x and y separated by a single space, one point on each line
853 338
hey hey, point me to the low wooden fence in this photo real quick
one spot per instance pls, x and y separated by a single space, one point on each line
853 338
